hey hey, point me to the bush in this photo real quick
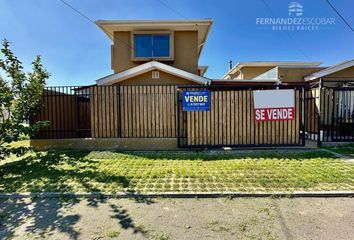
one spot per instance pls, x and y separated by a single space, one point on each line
20 99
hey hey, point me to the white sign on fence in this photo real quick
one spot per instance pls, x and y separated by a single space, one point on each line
274 105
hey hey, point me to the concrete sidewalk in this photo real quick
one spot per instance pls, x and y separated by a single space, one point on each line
220 218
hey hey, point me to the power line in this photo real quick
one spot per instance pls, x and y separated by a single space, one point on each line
287 33
172 9
77 11
176 11
338 13
92 21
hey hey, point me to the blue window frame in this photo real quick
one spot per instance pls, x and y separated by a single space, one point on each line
152 45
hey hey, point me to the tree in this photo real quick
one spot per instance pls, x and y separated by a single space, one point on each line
20 99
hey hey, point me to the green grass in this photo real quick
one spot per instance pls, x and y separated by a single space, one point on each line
113 234
343 149
106 171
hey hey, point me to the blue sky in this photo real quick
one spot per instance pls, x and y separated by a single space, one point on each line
76 52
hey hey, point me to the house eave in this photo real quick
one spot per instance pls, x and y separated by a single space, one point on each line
330 70
149 66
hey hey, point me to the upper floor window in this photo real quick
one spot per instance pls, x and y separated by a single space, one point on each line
152 46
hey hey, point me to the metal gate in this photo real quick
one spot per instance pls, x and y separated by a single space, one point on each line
343 115
230 121
330 112
336 123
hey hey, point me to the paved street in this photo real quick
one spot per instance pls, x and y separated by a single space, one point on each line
252 218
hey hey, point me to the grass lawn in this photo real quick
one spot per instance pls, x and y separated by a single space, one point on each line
343 149
84 171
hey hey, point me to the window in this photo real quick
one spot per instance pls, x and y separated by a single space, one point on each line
156 45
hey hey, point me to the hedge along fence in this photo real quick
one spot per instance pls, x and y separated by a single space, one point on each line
151 111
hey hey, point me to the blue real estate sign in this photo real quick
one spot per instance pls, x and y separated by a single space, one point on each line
196 100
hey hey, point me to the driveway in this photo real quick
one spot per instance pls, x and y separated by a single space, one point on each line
221 218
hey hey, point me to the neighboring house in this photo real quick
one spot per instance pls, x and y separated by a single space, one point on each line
269 70
339 76
289 72
340 73
156 52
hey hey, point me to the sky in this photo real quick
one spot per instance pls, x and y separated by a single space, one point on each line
76 52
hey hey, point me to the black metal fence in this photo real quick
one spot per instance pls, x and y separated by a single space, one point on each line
230 121
330 112
125 111
342 125
324 113
68 111
311 113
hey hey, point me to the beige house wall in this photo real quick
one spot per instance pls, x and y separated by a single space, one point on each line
237 75
345 73
252 72
296 74
120 53
249 72
287 74
165 79
185 52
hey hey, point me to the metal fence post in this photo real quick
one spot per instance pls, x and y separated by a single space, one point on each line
178 121
77 131
303 114
319 126
119 113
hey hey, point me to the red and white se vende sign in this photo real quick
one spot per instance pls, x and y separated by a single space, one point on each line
274 105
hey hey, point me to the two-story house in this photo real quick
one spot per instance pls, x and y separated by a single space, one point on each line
140 105
156 52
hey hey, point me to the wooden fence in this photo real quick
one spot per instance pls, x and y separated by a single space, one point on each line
151 111
133 111
230 122
66 112
126 111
